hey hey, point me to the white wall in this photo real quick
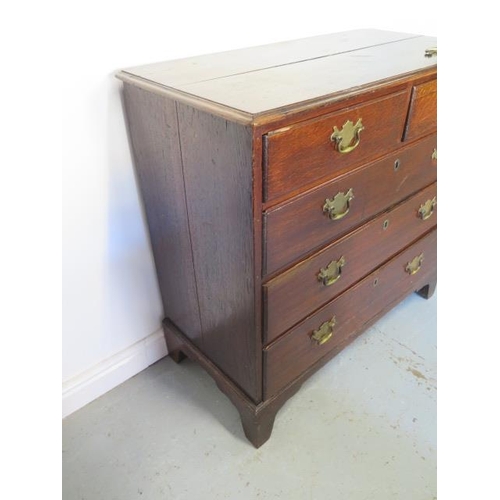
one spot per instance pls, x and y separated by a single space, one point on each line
111 306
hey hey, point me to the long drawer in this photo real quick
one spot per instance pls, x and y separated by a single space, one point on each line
301 226
334 324
304 153
305 287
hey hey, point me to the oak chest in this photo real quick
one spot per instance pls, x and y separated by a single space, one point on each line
290 193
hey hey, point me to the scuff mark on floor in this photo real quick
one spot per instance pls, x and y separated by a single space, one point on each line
416 373
409 349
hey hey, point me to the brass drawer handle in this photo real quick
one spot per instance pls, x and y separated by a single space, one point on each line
413 267
331 273
427 209
338 206
324 333
348 138
433 51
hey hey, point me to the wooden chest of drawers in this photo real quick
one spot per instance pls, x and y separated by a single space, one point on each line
290 193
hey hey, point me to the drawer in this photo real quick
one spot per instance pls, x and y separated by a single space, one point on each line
341 319
422 116
302 225
305 287
303 154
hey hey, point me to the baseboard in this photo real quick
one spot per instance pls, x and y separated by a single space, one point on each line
101 378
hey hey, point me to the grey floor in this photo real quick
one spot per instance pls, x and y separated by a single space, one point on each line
363 427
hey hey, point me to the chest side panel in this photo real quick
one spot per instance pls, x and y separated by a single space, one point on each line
217 162
155 143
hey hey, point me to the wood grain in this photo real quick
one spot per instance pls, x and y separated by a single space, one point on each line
338 62
299 227
234 62
289 356
422 117
217 160
302 154
292 83
155 145
293 295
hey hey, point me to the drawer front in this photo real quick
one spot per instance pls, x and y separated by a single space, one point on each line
303 154
422 116
304 224
295 352
293 295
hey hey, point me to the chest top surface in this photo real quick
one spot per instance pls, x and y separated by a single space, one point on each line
261 79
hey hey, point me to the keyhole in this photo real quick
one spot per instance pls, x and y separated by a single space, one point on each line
375 282
397 163
385 225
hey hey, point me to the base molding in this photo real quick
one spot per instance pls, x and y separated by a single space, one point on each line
111 372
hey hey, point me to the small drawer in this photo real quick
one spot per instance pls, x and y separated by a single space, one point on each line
301 155
333 326
302 225
422 116
294 294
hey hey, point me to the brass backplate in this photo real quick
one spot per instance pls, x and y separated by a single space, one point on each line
324 333
331 273
338 206
348 137
427 208
413 267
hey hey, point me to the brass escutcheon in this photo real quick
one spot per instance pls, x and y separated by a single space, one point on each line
413 267
427 209
338 206
324 333
348 138
434 155
331 273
